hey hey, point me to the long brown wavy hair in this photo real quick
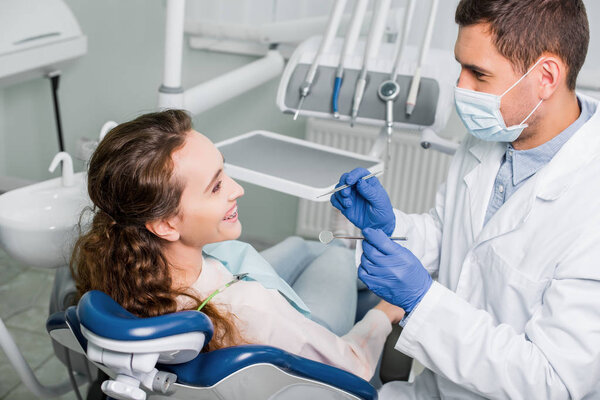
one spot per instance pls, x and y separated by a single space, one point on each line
131 182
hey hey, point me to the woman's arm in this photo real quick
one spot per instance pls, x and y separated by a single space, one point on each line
265 317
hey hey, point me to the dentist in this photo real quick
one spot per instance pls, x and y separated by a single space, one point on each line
514 237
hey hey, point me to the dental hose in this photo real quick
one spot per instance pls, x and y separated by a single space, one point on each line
336 94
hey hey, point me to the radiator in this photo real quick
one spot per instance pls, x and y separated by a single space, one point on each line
411 180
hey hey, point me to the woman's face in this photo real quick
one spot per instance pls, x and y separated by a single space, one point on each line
208 207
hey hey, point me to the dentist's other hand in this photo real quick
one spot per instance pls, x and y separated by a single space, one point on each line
391 271
365 203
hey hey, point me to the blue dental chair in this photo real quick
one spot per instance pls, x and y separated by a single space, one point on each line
160 358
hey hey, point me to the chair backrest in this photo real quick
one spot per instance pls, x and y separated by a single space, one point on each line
139 352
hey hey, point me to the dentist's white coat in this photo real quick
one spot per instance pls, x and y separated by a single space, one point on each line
515 313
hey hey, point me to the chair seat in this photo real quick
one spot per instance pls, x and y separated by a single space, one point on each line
207 369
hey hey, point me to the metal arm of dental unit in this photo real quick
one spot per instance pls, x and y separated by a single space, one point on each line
26 374
213 92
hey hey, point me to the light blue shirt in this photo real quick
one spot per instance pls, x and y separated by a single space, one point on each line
239 257
520 165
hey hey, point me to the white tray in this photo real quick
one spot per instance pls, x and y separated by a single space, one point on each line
293 166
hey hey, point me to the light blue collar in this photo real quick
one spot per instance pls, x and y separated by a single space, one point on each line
525 163
239 257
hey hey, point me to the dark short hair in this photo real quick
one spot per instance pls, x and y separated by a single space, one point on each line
524 29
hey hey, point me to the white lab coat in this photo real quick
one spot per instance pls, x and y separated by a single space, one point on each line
515 311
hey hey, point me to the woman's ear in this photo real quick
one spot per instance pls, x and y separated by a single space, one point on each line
164 229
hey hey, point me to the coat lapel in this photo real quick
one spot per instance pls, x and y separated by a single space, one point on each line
480 180
547 184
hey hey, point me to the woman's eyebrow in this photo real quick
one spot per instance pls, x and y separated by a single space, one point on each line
213 179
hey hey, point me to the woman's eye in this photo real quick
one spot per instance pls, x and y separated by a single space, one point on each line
217 187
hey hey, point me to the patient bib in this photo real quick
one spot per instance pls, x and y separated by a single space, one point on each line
239 257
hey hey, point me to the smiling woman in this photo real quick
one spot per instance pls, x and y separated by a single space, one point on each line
163 239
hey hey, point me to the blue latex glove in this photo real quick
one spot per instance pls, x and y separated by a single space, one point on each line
365 203
391 271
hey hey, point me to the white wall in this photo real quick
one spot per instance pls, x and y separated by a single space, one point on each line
118 79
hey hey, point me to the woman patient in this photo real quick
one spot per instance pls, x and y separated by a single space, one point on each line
160 198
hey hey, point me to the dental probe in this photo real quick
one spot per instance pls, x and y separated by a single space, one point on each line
332 27
326 237
414 86
371 50
337 189
358 15
389 90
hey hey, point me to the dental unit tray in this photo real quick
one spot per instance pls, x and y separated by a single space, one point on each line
293 166
435 99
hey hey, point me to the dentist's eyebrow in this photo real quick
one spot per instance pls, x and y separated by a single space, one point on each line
214 177
476 68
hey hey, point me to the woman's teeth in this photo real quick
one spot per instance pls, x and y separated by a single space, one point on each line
232 215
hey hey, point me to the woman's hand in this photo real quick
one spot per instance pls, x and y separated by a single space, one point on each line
394 313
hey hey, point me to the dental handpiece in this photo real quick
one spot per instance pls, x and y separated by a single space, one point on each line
403 38
332 28
371 50
411 101
388 92
358 15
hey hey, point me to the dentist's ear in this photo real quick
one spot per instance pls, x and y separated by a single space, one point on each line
164 229
553 72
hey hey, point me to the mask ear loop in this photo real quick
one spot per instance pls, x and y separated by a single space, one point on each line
531 113
523 77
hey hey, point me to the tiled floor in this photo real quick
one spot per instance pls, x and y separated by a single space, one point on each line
24 297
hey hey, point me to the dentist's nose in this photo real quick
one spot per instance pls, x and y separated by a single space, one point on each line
463 80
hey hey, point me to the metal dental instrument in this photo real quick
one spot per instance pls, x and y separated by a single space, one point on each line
371 50
414 86
327 236
358 15
332 27
337 189
389 90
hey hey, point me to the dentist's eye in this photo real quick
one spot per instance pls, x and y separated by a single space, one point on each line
478 75
217 187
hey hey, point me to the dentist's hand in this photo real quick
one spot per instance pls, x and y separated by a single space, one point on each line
365 203
391 271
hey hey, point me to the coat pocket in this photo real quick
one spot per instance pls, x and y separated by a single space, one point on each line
501 289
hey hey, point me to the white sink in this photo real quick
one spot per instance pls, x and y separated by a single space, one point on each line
38 223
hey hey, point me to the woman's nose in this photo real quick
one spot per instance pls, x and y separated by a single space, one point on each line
237 190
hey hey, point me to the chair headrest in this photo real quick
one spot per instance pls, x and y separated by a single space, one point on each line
100 314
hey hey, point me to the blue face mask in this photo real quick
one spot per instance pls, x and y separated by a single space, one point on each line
480 112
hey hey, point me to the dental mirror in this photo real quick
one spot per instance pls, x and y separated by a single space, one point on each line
327 236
